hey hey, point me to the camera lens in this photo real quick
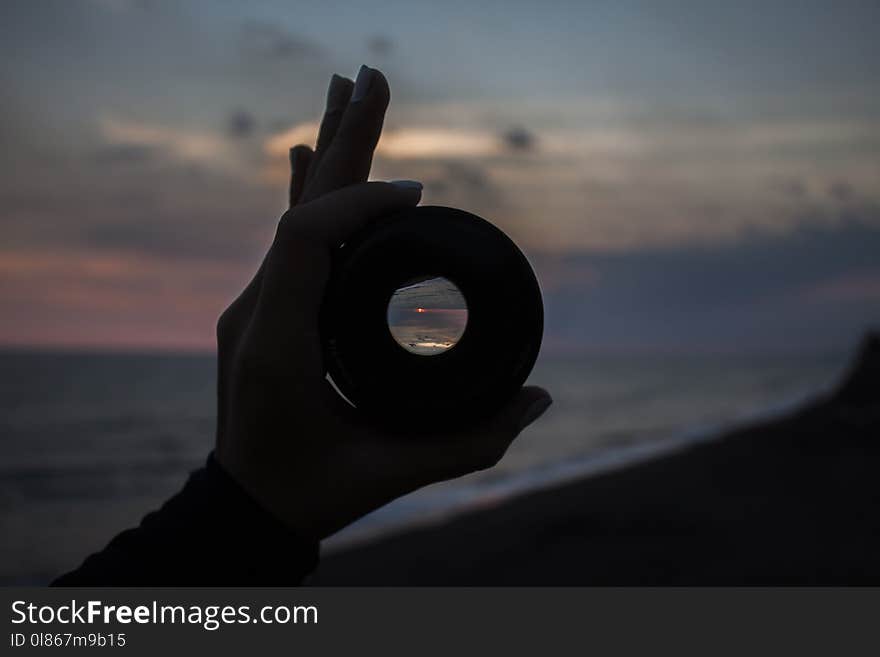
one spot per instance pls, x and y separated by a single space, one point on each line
430 313
427 317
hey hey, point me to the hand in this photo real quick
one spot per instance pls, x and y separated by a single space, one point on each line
282 432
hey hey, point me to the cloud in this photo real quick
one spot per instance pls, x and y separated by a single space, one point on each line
428 142
518 139
791 187
607 176
204 148
240 124
636 240
273 42
841 191
113 299
668 201
858 286
441 157
380 45
124 153
814 288
278 145
436 142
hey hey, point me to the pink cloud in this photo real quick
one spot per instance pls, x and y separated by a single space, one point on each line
113 300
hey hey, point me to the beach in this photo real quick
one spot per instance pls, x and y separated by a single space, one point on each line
788 501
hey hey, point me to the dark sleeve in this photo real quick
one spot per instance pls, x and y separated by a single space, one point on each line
211 533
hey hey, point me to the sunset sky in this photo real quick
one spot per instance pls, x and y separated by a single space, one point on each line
682 174
428 316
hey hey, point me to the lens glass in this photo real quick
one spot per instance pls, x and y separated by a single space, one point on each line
427 316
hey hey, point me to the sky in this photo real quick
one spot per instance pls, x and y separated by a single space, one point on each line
427 316
681 174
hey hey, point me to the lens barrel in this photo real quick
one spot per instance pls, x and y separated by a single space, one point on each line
486 365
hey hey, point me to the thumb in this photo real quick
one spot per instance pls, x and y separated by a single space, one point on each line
300 255
482 446
528 405
299 260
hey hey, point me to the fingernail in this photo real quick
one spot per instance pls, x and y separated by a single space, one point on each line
534 411
362 84
335 93
407 184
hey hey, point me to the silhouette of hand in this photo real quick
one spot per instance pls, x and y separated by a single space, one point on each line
282 432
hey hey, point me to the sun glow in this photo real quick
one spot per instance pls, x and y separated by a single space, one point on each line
426 142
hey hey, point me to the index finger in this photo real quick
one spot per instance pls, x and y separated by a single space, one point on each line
298 265
349 157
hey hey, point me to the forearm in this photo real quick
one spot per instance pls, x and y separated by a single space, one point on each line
211 533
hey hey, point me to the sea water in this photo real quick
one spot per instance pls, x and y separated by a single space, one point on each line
92 442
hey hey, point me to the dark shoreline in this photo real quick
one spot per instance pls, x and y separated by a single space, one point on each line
793 500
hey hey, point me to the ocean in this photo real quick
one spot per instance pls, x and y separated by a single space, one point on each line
92 442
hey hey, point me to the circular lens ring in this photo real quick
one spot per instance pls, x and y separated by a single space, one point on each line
495 353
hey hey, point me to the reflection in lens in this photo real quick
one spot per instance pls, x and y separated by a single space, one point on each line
427 316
